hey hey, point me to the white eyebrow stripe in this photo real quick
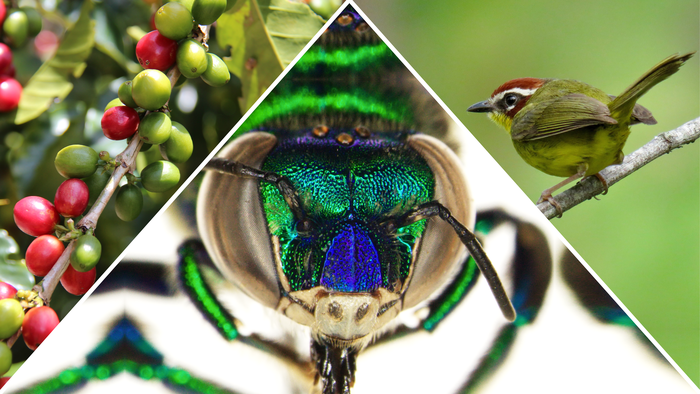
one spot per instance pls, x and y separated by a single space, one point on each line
522 92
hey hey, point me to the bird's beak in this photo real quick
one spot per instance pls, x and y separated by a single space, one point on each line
481 106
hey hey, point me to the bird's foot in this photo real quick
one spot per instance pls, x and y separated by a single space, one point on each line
604 182
547 196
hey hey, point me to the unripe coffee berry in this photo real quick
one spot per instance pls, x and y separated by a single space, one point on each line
150 89
191 58
86 253
174 21
11 315
160 176
124 93
155 128
178 148
76 161
129 202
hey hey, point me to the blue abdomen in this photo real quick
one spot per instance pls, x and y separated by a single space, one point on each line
348 183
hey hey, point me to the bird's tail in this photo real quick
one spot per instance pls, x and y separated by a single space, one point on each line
621 107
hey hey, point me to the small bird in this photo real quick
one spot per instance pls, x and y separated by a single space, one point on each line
568 128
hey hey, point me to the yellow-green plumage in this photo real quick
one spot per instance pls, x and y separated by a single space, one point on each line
568 128
561 154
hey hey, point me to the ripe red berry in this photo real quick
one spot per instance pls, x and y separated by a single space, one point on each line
120 122
37 325
78 283
9 71
35 216
42 254
3 11
5 55
156 51
10 93
7 290
72 198
4 380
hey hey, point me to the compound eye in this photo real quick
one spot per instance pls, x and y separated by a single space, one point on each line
510 100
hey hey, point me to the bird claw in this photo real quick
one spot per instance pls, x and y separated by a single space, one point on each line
548 197
604 182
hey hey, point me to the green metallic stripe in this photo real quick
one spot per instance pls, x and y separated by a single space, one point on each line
356 59
70 379
496 355
452 296
458 289
202 295
306 103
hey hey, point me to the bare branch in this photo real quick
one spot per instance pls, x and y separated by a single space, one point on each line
590 186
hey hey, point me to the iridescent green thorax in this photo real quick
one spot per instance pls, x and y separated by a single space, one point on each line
352 176
347 191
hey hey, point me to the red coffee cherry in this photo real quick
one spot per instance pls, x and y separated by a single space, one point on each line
72 198
42 254
7 290
35 216
37 325
78 283
5 56
120 122
9 71
10 93
156 51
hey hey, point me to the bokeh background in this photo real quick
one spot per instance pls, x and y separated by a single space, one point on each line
641 238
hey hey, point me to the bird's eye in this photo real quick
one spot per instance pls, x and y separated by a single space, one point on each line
510 99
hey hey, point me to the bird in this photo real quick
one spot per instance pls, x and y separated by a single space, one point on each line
568 128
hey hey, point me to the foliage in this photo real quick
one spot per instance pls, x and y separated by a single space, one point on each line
64 99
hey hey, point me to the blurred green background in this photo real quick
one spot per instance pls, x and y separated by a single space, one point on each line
642 238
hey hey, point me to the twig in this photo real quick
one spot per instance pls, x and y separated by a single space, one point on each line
11 340
46 287
128 160
590 186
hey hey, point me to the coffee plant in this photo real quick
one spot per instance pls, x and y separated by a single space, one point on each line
105 108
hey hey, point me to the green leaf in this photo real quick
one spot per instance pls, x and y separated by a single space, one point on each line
264 37
13 271
290 24
52 80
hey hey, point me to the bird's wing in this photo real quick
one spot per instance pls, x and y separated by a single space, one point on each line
559 115
639 114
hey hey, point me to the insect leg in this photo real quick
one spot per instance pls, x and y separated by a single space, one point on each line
531 272
193 256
